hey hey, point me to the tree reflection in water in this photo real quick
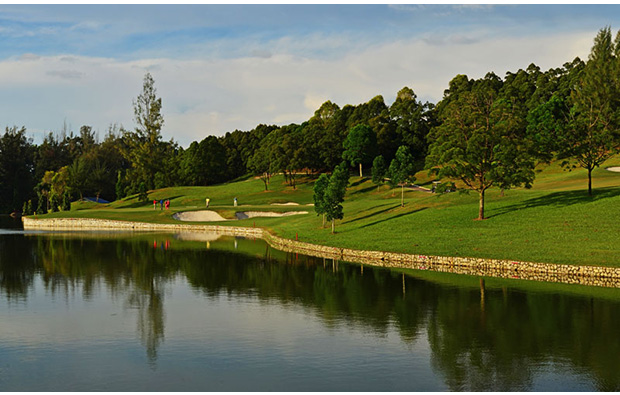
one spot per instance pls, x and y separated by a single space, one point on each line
482 336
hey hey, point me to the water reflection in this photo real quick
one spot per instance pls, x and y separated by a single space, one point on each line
483 335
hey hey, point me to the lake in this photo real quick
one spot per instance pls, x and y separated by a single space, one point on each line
111 311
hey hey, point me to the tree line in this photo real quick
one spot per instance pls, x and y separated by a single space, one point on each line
484 132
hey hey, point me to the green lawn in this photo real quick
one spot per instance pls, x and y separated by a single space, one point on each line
555 221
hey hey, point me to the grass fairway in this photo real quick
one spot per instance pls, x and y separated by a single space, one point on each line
554 222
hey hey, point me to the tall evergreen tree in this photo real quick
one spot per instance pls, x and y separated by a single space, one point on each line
144 147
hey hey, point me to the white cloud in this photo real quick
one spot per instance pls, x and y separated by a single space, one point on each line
214 96
66 74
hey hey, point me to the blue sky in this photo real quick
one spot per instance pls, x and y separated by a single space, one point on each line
226 67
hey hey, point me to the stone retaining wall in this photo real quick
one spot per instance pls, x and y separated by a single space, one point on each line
570 274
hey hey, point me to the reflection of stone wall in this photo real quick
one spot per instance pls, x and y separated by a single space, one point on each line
570 274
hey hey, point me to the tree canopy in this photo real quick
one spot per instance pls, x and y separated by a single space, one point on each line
360 146
480 141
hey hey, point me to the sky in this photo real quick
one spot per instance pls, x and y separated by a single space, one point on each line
219 68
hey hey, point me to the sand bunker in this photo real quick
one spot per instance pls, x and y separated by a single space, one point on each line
254 214
199 216
212 216
285 204
615 169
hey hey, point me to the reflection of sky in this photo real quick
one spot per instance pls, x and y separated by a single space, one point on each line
209 343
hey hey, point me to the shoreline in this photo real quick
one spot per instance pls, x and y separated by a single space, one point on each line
502 268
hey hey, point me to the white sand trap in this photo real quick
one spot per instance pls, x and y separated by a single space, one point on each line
285 204
615 169
199 216
197 236
254 214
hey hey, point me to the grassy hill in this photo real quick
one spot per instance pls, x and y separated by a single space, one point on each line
555 221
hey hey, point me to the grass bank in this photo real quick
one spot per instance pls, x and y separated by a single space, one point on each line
554 222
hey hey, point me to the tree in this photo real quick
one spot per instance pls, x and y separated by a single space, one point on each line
142 193
66 201
54 203
42 203
360 146
413 121
144 147
53 186
119 187
292 153
53 154
548 116
592 134
204 163
580 124
265 161
78 176
479 141
378 170
319 195
401 170
334 194
16 169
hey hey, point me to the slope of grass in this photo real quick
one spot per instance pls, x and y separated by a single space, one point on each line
555 221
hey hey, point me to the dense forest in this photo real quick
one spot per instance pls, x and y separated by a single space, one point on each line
483 132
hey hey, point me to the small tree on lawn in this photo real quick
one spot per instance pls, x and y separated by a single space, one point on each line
360 145
319 195
401 170
378 170
334 194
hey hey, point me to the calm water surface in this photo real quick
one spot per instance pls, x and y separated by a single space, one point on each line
187 312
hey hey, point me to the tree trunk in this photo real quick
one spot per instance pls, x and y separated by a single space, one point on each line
481 209
589 181
402 195
323 220
265 179
361 170
333 226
